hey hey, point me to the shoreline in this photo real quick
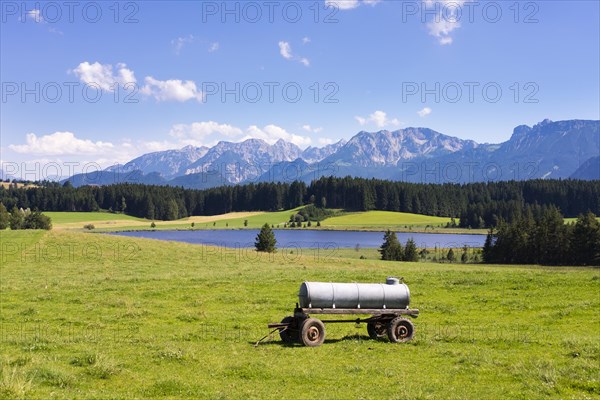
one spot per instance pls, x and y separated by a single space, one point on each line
441 231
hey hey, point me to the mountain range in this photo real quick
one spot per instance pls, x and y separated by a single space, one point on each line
548 150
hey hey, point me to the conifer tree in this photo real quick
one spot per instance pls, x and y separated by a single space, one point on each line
265 240
391 249
410 251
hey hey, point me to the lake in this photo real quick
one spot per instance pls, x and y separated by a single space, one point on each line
304 239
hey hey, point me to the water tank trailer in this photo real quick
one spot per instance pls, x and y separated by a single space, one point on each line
386 303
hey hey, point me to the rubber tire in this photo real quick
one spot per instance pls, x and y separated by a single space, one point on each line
291 334
400 330
376 330
312 332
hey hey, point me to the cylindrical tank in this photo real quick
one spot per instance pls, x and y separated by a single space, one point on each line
391 294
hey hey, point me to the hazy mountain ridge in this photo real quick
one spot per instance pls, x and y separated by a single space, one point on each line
546 150
316 154
589 170
168 163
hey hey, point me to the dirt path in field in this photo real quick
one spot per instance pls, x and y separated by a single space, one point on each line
117 223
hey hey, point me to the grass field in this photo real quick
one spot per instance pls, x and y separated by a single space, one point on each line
19 185
98 317
365 221
104 221
370 220
383 220
573 220
257 220
62 218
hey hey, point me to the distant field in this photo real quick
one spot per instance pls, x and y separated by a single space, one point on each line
111 221
255 221
19 185
370 220
383 219
84 217
95 317
573 220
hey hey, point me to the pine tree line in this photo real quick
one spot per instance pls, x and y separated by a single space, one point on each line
546 240
477 205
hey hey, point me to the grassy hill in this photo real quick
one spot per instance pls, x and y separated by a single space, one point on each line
257 220
61 218
113 222
93 316
369 220
383 219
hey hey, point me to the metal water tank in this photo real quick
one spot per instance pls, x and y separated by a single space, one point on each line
391 294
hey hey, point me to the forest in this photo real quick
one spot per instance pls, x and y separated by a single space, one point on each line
545 240
476 205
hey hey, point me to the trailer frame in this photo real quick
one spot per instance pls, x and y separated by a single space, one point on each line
310 331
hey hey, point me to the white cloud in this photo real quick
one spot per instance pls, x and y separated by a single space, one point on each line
67 148
309 128
171 90
350 4
153 145
325 141
54 30
198 133
379 118
285 50
71 154
60 143
441 29
445 20
342 4
272 133
180 42
207 133
103 76
305 40
424 112
35 15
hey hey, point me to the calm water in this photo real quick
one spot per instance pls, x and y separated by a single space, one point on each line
308 238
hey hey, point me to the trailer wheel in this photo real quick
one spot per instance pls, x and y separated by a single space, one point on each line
313 332
376 330
400 330
290 334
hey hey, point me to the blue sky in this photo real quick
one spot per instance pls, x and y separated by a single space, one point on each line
360 65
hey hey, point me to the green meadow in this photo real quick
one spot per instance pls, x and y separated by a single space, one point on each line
360 221
91 316
59 218
369 220
383 219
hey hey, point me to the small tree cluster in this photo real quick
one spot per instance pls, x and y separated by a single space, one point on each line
23 219
37 220
392 249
